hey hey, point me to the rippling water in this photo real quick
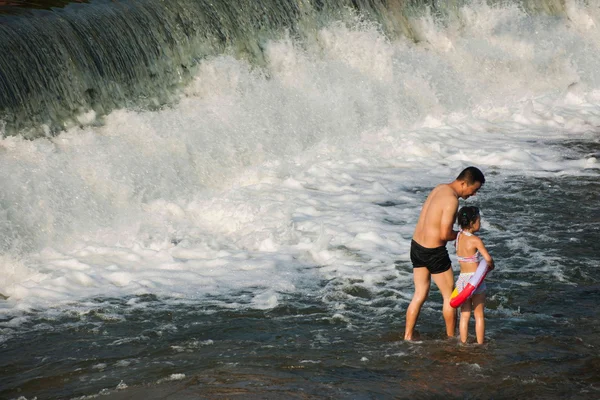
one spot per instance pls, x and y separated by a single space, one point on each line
542 328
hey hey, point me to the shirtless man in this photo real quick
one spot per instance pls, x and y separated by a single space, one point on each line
428 246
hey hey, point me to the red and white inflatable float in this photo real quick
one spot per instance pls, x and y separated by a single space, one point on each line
457 299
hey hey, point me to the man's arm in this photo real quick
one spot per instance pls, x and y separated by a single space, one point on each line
447 233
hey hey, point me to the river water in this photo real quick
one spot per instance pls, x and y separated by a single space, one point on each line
250 237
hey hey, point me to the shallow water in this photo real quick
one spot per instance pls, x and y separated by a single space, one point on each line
542 332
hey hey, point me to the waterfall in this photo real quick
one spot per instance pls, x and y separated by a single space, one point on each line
72 64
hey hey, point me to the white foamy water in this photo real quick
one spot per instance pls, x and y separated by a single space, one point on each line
300 178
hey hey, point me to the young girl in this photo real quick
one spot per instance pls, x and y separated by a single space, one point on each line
470 250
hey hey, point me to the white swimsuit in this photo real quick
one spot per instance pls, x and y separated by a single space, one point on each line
464 277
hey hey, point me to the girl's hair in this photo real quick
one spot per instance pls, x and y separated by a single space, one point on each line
467 215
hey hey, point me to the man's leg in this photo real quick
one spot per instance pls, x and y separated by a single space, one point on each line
422 280
445 282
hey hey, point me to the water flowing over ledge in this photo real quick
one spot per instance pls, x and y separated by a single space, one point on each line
69 65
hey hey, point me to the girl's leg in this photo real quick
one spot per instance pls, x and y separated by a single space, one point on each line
478 307
465 316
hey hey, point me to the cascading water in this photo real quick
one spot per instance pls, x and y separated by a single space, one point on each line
60 65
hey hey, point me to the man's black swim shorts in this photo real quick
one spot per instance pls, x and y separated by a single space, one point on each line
436 260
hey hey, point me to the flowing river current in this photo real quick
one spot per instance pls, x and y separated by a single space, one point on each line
216 199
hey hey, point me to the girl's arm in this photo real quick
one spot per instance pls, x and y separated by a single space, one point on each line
483 251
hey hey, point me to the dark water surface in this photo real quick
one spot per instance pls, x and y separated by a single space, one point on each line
20 6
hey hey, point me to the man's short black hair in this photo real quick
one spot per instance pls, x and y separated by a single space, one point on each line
470 175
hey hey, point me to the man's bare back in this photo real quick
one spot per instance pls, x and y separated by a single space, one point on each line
434 227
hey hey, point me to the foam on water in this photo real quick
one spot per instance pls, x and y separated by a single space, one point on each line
305 176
